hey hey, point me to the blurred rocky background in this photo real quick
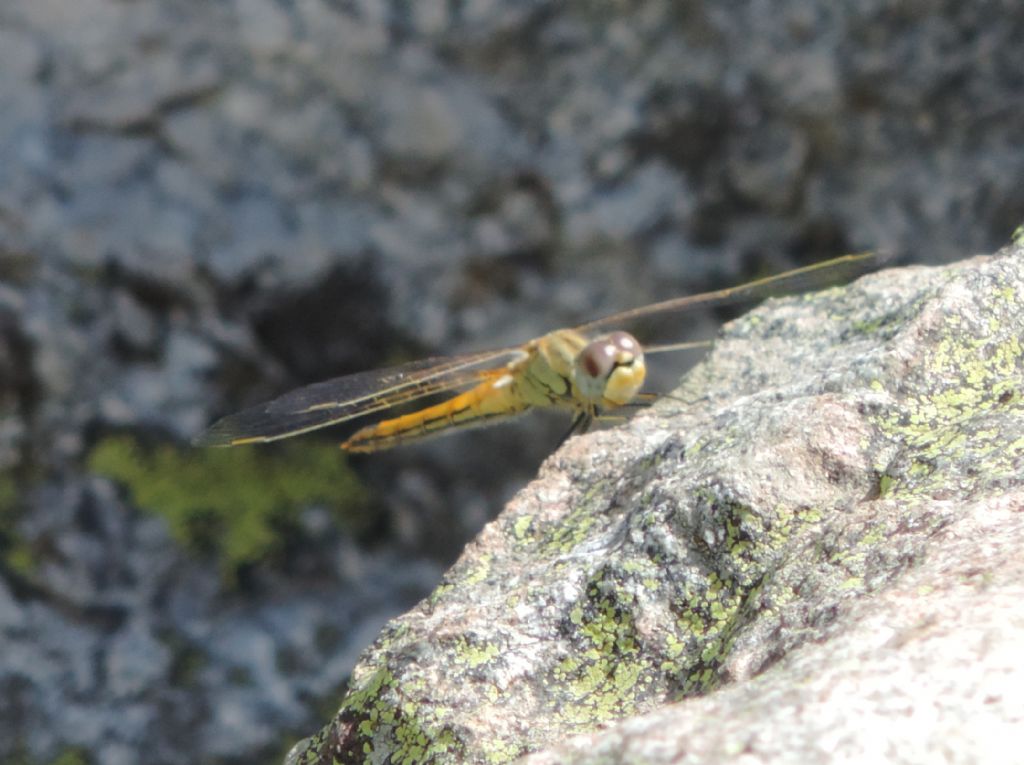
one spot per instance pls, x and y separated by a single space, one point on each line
204 204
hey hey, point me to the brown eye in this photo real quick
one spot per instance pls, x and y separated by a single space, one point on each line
610 370
597 359
626 346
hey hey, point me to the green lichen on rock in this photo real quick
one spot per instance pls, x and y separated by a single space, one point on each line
562 535
8 493
604 677
521 527
946 423
234 503
472 652
70 756
73 756
370 714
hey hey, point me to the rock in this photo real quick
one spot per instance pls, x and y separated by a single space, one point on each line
901 677
135 660
132 98
264 28
652 196
256 232
774 563
133 324
769 165
419 124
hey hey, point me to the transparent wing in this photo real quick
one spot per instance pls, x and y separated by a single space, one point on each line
689 345
345 398
818 275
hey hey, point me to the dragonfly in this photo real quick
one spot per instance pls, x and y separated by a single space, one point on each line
587 371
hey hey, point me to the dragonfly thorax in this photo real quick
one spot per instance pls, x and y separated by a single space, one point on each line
610 370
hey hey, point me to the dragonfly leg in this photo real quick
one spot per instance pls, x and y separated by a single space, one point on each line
580 424
643 400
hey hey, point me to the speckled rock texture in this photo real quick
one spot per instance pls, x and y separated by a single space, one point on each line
206 204
809 554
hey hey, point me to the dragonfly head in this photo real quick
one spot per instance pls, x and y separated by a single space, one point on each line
610 370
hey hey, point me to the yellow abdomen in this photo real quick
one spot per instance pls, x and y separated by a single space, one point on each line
487 403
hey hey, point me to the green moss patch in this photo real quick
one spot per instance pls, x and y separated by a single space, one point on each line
17 555
234 503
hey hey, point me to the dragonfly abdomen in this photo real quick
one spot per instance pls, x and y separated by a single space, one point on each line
488 403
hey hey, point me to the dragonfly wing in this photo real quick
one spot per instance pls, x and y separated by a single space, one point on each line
345 398
814 276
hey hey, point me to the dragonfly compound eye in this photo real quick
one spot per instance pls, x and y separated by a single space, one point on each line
597 360
610 370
